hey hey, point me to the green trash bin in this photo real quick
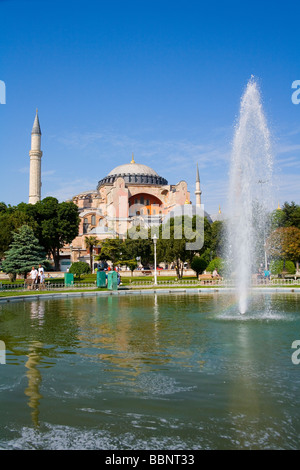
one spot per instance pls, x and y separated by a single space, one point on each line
101 279
112 280
69 279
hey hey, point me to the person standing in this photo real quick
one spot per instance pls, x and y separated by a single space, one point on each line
33 276
41 276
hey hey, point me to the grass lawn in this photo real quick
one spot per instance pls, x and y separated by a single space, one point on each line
90 278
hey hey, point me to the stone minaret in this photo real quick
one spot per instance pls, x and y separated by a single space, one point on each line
35 154
198 191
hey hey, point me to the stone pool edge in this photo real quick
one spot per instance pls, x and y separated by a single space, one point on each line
59 295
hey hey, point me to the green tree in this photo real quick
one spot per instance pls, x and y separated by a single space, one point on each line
291 213
58 224
198 265
24 253
218 264
79 268
90 243
139 248
177 236
171 244
277 219
284 243
10 221
287 216
130 263
277 266
3 207
217 237
111 250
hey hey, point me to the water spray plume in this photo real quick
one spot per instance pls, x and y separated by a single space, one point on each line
250 192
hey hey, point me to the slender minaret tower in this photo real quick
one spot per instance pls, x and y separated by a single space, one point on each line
198 191
35 154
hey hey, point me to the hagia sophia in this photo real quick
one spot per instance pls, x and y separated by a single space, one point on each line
131 194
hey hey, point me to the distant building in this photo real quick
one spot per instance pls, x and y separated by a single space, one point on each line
131 194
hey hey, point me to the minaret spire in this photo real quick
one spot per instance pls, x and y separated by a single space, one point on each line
35 154
198 191
36 129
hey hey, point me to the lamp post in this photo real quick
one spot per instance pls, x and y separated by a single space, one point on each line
93 262
155 272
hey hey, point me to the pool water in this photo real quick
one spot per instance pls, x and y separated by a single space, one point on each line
177 371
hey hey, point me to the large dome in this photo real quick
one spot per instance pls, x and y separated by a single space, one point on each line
133 173
132 169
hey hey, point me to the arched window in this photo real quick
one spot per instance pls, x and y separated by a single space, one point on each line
93 221
85 225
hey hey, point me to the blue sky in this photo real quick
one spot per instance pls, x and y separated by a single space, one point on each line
162 79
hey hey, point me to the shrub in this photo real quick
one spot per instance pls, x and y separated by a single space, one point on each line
276 266
198 264
79 268
218 264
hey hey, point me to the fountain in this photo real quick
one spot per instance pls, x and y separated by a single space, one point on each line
250 192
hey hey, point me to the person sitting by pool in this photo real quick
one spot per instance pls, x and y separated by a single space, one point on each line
215 273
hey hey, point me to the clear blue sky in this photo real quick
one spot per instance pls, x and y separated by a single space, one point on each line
162 79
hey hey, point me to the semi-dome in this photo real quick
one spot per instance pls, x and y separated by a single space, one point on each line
133 173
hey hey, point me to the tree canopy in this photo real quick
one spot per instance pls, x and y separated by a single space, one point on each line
284 243
287 216
90 243
54 224
58 224
24 252
79 268
10 221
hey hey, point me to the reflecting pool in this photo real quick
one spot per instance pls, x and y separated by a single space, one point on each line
177 371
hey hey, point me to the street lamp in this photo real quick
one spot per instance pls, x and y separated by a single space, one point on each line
155 272
93 260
